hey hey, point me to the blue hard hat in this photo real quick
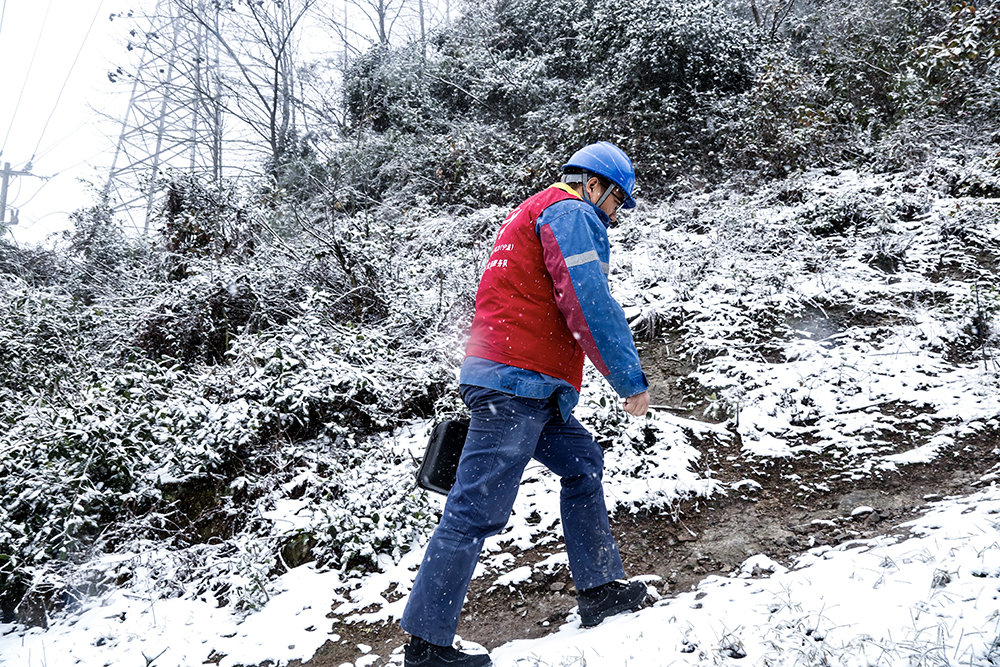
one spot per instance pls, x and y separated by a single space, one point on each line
607 160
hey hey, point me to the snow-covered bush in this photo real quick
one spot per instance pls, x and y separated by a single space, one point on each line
489 106
197 317
470 166
452 124
363 507
43 336
35 266
785 120
42 333
383 90
839 212
658 68
148 446
975 328
200 218
959 65
260 377
859 50
101 253
661 57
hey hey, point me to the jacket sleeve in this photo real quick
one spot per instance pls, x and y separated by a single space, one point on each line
576 251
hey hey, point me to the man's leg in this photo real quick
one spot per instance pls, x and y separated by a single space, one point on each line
573 454
570 451
503 432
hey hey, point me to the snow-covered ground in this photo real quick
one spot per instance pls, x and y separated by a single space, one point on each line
929 597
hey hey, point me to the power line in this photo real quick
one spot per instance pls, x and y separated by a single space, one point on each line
60 141
27 75
49 179
3 12
31 198
65 81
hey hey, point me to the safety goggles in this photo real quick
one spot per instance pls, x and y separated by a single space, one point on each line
619 196
612 190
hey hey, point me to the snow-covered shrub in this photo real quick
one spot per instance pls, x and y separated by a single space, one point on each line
101 447
35 266
959 65
653 56
453 124
42 335
365 506
470 166
104 255
201 219
784 121
313 370
975 177
297 176
442 127
603 414
384 90
495 100
858 50
840 212
965 227
976 327
112 462
658 68
887 250
196 317
67 474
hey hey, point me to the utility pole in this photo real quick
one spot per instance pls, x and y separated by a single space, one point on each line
6 174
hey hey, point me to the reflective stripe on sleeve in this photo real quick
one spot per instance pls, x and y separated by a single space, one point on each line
585 257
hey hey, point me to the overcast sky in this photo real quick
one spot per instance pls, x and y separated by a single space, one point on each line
39 42
59 111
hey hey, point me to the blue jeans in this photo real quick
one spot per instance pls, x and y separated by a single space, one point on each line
505 433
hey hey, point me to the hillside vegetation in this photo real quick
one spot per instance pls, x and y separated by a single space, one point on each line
811 271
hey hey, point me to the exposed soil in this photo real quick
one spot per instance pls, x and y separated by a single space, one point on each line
692 541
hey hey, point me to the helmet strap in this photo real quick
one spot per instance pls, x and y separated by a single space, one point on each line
583 178
580 178
607 192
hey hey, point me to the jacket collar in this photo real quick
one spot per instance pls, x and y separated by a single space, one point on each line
597 209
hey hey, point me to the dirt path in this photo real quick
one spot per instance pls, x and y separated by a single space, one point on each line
711 537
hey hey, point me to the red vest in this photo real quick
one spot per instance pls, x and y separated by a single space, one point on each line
517 320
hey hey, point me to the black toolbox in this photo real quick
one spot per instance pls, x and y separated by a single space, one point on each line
440 464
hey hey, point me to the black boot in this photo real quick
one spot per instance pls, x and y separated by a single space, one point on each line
600 602
420 653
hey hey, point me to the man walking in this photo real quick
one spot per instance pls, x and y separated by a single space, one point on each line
543 303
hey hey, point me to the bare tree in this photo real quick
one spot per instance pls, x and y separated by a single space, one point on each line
257 39
770 14
361 24
213 76
382 14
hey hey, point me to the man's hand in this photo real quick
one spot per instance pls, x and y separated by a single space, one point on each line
638 404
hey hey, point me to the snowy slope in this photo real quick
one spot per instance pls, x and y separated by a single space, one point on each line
927 598
931 598
855 350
